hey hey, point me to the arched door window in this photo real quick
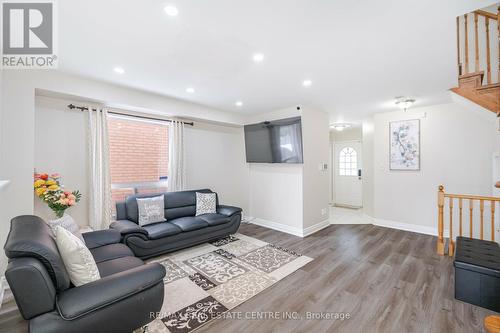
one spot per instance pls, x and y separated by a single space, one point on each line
348 162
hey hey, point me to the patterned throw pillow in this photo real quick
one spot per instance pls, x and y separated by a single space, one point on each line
206 203
78 260
151 210
67 223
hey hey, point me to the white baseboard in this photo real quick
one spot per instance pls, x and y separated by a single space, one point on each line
277 226
405 226
314 228
289 229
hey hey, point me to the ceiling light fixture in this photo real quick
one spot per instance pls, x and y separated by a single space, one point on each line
340 127
238 103
119 70
404 103
258 57
171 10
190 90
306 83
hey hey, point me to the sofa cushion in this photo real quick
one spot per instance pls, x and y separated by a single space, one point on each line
118 265
162 229
177 204
109 252
189 223
206 203
214 219
78 260
151 210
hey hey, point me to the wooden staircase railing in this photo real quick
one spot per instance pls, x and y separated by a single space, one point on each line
471 75
465 202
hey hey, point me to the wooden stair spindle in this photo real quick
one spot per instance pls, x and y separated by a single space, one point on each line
460 210
481 210
440 241
451 246
488 50
471 207
492 203
458 47
442 196
466 46
476 43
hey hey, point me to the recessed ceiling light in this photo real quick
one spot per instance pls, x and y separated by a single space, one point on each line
190 90
171 10
306 83
239 103
258 57
340 127
119 70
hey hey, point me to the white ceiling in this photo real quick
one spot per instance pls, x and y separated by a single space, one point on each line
359 54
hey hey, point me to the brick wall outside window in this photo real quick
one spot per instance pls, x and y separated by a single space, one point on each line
138 153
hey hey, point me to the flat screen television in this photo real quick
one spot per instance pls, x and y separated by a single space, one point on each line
277 141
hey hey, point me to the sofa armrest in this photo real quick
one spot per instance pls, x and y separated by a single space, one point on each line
228 210
126 227
79 301
99 238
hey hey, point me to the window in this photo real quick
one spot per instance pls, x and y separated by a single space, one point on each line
138 154
348 163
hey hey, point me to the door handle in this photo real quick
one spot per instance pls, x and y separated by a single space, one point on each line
359 174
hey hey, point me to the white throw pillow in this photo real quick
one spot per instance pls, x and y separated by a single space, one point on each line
67 222
151 210
78 260
206 203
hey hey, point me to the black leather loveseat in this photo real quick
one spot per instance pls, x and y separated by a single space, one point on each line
181 228
121 301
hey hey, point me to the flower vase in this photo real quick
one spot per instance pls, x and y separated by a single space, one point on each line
66 221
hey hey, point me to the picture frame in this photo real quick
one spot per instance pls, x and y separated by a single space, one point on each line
404 145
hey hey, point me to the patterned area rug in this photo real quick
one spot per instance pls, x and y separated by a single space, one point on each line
205 281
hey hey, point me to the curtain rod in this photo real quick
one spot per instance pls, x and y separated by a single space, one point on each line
83 108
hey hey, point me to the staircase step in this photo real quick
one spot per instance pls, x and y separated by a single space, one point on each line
493 87
488 98
471 80
473 74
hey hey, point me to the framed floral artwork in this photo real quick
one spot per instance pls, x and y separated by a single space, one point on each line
405 145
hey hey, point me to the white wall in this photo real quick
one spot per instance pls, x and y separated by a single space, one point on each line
17 130
457 144
368 167
316 187
215 158
276 189
290 197
61 146
276 195
349 134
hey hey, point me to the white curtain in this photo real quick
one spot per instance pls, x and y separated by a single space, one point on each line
176 157
99 185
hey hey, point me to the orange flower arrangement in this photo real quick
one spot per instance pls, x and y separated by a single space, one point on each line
49 189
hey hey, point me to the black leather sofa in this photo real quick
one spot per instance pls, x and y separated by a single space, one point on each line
180 230
121 301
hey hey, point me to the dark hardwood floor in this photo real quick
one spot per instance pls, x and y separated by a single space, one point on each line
386 280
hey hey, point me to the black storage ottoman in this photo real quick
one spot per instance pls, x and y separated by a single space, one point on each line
477 272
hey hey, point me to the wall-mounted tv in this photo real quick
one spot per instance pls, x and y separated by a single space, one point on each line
277 141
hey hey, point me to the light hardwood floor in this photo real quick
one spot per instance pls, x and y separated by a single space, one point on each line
387 280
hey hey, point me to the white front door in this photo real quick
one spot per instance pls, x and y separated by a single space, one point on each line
347 168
